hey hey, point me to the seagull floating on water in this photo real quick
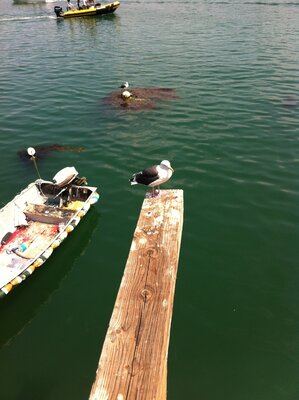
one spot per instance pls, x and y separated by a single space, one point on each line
125 85
153 176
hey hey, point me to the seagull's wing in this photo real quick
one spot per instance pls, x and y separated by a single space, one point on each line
147 176
150 171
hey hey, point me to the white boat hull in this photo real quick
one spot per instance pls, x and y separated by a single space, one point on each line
34 223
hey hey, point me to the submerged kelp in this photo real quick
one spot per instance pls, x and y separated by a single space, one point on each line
142 98
44 150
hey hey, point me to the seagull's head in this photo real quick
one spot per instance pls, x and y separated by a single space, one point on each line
166 164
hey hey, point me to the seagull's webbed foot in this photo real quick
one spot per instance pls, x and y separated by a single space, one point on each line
156 192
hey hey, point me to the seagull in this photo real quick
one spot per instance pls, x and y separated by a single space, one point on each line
126 95
125 85
153 176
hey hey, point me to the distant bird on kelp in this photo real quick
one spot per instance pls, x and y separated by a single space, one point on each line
125 85
153 176
126 95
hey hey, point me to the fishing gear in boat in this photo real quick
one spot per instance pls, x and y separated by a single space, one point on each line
19 254
21 248
80 181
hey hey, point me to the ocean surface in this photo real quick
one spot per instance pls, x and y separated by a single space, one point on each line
232 136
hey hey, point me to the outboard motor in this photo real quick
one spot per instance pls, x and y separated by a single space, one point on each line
58 11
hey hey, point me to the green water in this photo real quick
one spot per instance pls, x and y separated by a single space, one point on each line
233 138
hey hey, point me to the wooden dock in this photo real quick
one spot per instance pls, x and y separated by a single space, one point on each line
133 362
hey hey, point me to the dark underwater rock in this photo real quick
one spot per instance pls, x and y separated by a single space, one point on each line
44 150
143 98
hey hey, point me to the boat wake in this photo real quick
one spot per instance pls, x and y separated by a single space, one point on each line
30 18
33 1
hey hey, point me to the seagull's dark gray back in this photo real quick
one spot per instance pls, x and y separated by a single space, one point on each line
147 176
150 172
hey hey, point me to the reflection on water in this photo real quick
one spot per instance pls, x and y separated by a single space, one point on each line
90 26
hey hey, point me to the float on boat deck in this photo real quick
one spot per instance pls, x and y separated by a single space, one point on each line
97 9
37 220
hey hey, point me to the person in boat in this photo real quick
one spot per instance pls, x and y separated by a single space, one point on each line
89 3
70 6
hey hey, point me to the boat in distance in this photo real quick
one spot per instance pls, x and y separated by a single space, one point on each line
97 9
37 221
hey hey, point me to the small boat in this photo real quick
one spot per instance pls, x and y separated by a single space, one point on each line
37 221
97 9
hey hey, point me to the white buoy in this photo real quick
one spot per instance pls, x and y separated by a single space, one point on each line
31 151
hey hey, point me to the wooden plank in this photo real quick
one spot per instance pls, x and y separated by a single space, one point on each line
133 362
48 214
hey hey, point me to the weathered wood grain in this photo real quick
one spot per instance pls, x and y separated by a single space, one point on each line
48 214
133 362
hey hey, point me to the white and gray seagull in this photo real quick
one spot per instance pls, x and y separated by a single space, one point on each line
125 85
153 176
126 95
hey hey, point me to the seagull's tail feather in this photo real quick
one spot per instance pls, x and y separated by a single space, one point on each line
133 180
134 183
